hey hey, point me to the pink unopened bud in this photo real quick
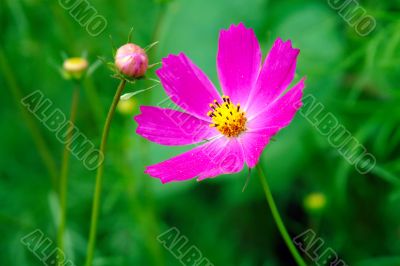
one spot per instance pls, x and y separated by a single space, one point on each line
131 60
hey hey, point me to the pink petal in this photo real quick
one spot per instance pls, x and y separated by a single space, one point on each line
276 75
281 112
254 143
230 160
269 122
187 85
208 160
238 62
170 127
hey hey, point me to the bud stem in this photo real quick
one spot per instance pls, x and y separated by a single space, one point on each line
98 185
278 220
64 173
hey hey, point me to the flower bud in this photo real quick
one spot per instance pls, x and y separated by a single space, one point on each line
315 201
74 67
126 107
131 60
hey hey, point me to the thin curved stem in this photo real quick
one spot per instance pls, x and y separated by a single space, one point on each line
64 172
278 220
37 136
99 175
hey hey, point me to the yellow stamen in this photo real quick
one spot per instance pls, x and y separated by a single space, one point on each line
227 117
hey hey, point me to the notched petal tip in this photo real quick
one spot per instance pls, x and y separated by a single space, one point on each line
303 81
180 55
171 57
300 87
285 46
153 173
169 61
240 27
301 84
142 109
136 118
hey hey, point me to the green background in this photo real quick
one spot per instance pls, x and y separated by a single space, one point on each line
356 78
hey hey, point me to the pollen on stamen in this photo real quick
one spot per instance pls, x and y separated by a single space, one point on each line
210 114
228 117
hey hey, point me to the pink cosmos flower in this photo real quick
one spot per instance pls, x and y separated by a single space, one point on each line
232 129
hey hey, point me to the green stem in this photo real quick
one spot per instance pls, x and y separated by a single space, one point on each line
278 220
37 136
64 172
97 192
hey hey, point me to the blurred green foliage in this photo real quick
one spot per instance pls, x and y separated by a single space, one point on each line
356 78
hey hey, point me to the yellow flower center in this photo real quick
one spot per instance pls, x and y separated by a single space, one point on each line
227 117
